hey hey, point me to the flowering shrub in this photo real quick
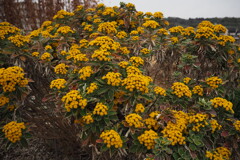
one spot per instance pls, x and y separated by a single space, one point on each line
100 85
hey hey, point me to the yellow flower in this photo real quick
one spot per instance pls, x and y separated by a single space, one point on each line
176 29
111 138
105 43
123 64
13 131
213 82
48 47
73 100
134 120
65 30
148 139
3 100
61 68
113 79
220 153
186 80
223 39
58 83
145 51
180 90
61 14
150 24
136 61
199 120
88 119
107 27
174 40
100 109
35 54
160 91
92 88
237 125
158 15
198 90
151 123
101 55
11 77
85 72
124 50
139 108
215 125
46 56
219 28
121 35
18 40
221 102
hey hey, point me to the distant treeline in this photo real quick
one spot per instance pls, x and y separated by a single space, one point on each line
233 24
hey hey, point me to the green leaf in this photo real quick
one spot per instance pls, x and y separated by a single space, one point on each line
24 142
192 147
104 148
110 113
102 90
111 94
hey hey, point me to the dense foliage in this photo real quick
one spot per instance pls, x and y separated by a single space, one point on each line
117 80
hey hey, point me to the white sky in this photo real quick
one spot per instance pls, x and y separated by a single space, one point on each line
185 8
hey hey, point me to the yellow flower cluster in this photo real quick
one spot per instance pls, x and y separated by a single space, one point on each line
221 102
6 28
61 68
107 27
92 88
214 82
101 55
73 99
121 34
109 11
80 58
124 50
160 91
134 120
58 83
158 15
150 24
113 79
65 30
88 119
11 107
174 131
139 108
111 138
219 28
205 24
205 32
135 38
85 72
3 100
48 47
198 90
136 61
18 40
215 125
237 125
199 120
162 31
180 90
151 123
61 14
13 131
231 51
176 29
188 31
88 27
145 51
35 54
148 139
123 64
221 153
133 70
154 114
45 56
174 40
100 109
83 43
223 39
186 80
133 32
138 82
11 77
105 43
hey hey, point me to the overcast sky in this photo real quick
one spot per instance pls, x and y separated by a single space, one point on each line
185 8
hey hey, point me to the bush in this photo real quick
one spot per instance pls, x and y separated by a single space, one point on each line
94 84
